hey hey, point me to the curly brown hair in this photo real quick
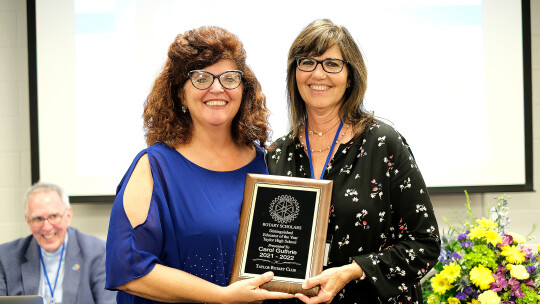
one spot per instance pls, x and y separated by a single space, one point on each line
193 50
314 40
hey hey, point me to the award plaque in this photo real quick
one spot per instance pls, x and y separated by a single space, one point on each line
283 225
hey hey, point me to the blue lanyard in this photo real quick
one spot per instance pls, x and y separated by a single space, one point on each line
329 152
57 272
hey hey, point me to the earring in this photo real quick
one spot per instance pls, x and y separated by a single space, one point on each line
348 84
184 109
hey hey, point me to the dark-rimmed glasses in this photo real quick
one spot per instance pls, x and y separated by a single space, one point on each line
329 65
39 221
202 80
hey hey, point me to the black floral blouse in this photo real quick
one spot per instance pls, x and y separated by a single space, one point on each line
381 215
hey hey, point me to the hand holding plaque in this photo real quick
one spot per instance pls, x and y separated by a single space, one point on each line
283 225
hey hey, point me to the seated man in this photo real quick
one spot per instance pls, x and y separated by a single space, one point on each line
56 262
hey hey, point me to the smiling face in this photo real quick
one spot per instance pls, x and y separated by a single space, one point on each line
215 106
319 89
43 204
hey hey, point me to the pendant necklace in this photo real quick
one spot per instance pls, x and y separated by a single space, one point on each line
311 132
327 148
329 152
51 289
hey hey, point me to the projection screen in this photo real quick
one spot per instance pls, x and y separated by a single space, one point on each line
452 76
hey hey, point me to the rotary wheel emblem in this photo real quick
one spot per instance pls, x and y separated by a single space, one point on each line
284 209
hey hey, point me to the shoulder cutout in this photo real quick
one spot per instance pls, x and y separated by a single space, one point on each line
138 192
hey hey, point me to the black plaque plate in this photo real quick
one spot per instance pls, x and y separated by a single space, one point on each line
283 225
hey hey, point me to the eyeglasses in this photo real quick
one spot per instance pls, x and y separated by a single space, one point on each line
329 65
202 80
53 219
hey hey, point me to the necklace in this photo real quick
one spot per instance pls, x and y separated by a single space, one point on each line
329 152
311 132
337 140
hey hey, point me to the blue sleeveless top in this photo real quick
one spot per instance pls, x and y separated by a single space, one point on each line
192 221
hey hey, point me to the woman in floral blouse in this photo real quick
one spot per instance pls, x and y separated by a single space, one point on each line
382 231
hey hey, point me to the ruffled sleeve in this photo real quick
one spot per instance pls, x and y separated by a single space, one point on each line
132 252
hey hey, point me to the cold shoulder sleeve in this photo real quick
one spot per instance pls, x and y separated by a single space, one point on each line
132 252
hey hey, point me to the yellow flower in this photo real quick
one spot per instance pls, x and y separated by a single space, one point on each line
481 277
518 238
488 224
453 300
513 254
473 301
433 299
477 232
489 297
519 272
493 237
451 272
440 284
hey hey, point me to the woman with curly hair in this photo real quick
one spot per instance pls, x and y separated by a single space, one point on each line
174 222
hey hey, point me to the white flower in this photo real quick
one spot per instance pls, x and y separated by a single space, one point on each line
489 297
519 272
518 238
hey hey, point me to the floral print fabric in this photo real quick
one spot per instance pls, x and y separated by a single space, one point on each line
381 215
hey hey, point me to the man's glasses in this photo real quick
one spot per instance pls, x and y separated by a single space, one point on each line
202 80
329 65
53 219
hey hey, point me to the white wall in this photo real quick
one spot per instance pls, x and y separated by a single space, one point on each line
93 218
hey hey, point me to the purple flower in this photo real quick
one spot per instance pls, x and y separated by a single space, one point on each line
529 283
500 279
446 256
467 244
456 255
530 269
461 296
501 268
462 236
468 290
499 284
516 288
527 252
506 240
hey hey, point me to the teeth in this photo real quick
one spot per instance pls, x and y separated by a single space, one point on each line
48 236
318 88
216 103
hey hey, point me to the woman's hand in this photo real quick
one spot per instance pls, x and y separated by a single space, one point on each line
249 291
331 281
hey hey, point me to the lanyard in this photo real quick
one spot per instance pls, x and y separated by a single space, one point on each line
329 152
57 272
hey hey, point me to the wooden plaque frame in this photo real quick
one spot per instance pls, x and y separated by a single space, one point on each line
276 199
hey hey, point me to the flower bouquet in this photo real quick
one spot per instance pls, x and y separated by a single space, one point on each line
482 262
